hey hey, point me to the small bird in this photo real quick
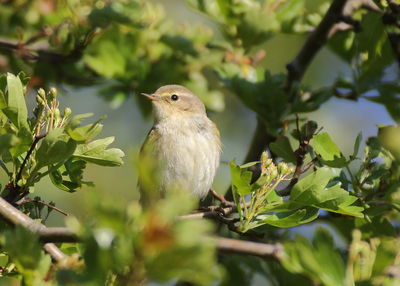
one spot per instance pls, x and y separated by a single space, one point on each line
182 150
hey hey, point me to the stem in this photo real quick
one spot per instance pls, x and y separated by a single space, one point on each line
4 167
25 200
30 151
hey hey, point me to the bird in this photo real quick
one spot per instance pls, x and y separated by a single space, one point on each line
183 148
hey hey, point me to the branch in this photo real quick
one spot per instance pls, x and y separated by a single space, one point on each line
264 250
39 54
316 40
300 153
213 212
25 200
17 217
62 234
390 19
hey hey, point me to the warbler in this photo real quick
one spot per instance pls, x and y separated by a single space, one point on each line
183 147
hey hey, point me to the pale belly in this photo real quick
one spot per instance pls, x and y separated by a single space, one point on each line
191 161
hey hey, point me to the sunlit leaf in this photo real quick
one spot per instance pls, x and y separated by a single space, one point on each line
96 152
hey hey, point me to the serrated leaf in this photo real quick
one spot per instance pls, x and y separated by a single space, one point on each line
319 261
330 153
56 147
324 146
312 191
283 149
58 181
289 218
96 152
85 133
76 120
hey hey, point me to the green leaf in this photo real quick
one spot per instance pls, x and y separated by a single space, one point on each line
85 133
289 218
241 179
55 148
95 152
378 226
16 109
325 147
58 181
321 262
283 149
386 254
106 55
23 248
3 101
356 146
312 191
7 141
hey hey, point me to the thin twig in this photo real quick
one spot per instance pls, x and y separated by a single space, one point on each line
28 154
25 200
222 199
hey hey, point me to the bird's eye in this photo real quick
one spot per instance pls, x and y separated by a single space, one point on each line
174 97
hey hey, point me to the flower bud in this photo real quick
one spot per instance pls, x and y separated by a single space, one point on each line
67 112
57 113
53 93
264 156
283 168
41 93
273 172
39 100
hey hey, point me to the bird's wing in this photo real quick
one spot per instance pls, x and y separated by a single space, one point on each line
148 144
148 168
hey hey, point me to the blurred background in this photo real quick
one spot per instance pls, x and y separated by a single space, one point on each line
343 119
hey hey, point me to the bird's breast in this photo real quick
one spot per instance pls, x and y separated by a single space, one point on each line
189 154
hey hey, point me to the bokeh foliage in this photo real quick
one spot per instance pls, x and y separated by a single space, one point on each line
127 47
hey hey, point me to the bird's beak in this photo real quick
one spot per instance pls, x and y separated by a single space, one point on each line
152 97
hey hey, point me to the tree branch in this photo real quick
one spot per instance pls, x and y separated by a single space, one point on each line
23 50
316 40
16 217
264 250
300 153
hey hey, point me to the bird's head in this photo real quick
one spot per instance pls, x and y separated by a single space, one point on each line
175 100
